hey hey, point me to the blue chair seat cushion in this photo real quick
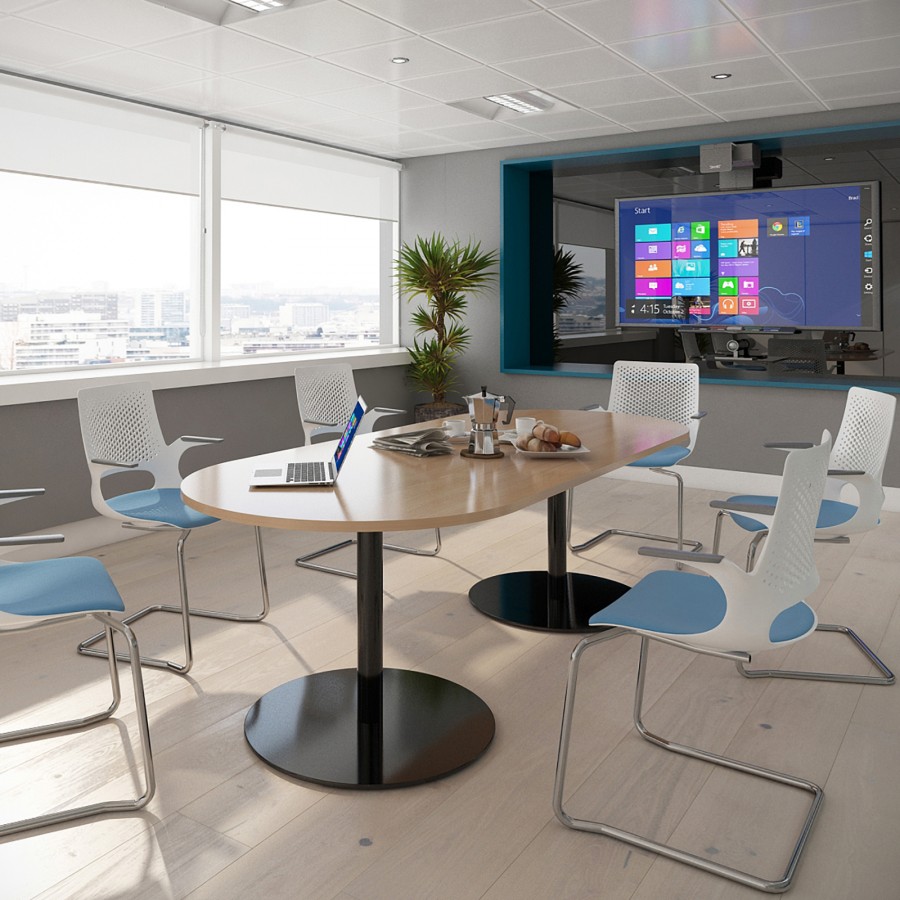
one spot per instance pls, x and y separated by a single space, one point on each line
159 505
52 587
831 513
685 603
668 456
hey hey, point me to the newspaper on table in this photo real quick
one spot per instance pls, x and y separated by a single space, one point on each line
431 442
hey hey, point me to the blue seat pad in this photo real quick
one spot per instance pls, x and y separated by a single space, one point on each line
831 512
52 587
668 456
159 505
684 603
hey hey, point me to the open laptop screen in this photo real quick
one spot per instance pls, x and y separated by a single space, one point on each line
343 445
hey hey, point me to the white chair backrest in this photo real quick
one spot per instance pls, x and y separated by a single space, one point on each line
865 433
325 396
663 390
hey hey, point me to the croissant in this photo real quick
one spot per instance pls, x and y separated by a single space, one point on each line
536 445
570 438
548 433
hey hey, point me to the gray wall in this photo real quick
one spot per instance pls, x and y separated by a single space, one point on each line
459 195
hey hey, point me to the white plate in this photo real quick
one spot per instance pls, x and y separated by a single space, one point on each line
564 452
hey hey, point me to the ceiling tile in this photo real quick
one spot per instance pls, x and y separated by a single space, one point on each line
830 25
425 58
651 110
579 133
44 47
612 20
860 84
758 97
479 131
777 110
744 73
374 99
321 28
306 77
426 118
550 123
749 9
129 71
517 37
702 46
861 56
212 95
300 113
685 123
424 16
589 64
220 50
11 6
614 90
128 23
465 84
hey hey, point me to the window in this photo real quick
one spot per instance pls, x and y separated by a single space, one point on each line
110 253
586 313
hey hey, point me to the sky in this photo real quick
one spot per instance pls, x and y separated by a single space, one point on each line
57 234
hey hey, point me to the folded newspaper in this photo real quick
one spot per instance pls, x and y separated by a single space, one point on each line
431 442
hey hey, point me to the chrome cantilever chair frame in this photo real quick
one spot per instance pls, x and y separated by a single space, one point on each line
18 622
107 412
858 459
711 616
325 398
665 390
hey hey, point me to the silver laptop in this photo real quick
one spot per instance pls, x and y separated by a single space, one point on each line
313 472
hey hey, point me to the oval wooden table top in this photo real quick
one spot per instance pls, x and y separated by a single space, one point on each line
381 490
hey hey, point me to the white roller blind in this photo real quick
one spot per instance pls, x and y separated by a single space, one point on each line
266 169
51 131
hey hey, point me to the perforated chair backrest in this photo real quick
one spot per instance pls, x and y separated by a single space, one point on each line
662 390
325 395
119 422
797 355
865 434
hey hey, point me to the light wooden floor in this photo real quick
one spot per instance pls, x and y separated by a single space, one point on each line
223 825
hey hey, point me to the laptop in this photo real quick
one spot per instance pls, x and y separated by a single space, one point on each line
313 472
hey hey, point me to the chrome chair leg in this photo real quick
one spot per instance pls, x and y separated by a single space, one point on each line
110 625
87 648
886 677
305 560
773 886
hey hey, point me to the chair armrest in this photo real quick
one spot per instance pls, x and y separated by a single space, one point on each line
387 410
845 473
593 407
321 424
699 414
681 555
788 445
20 493
759 509
33 539
114 464
193 439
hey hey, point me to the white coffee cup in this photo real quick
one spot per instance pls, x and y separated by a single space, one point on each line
525 425
455 427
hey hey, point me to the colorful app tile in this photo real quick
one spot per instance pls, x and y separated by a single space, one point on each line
653 268
747 265
798 226
681 231
728 286
653 287
749 306
728 248
654 232
691 268
653 250
699 306
700 249
738 228
748 285
777 227
728 306
686 287
748 247
681 249
700 231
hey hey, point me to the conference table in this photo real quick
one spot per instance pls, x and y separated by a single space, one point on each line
377 727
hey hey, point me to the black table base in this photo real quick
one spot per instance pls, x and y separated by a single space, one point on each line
313 728
538 600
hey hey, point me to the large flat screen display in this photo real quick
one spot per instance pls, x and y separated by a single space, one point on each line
793 258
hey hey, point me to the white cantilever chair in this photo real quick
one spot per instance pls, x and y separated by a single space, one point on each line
728 613
46 592
121 433
857 460
326 396
665 391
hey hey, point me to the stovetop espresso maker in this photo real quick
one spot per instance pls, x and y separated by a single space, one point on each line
484 410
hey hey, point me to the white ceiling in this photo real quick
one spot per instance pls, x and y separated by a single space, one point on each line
322 69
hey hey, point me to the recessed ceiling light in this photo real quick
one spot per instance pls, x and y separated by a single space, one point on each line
259 5
720 76
399 60
523 101
828 158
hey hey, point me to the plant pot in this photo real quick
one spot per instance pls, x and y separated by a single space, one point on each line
425 412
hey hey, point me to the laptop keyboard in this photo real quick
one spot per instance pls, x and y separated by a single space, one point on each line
306 472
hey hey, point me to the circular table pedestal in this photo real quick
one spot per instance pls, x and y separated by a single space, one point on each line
535 600
426 728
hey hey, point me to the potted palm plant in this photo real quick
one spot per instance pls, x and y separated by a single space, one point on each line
568 283
443 273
